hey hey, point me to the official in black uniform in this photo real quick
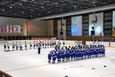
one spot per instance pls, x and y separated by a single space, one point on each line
39 48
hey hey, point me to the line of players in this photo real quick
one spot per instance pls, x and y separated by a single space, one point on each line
15 46
71 53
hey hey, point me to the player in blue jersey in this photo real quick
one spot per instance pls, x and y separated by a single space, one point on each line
89 53
103 50
58 56
84 53
77 52
74 54
67 55
54 57
49 57
61 57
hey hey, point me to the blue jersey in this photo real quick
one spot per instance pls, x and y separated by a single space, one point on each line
54 56
49 56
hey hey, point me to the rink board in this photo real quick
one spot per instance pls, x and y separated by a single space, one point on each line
67 42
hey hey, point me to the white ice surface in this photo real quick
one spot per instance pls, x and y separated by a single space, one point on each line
30 64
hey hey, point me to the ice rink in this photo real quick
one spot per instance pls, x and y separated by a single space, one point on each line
28 63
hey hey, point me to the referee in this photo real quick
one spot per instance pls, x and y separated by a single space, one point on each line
39 48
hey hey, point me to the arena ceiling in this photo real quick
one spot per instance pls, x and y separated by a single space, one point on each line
30 9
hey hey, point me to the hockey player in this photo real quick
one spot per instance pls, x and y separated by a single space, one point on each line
30 46
67 54
96 51
49 57
75 55
71 53
42 44
62 54
103 50
58 56
25 45
4 47
83 53
54 57
16 46
63 43
13 46
8 47
50 44
34 45
87 52
20 47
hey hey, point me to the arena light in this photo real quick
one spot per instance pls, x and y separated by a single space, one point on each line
11 7
20 4
22 12
24 0
33 0
3 10
42 7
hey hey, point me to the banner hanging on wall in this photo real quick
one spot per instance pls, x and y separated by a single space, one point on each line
76 26
10 28
113 25
96 22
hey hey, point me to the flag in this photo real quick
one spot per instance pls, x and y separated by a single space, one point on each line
4 28
11 28
17 28
7 28
0 28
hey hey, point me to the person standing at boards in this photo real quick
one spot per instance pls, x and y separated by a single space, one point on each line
92 34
